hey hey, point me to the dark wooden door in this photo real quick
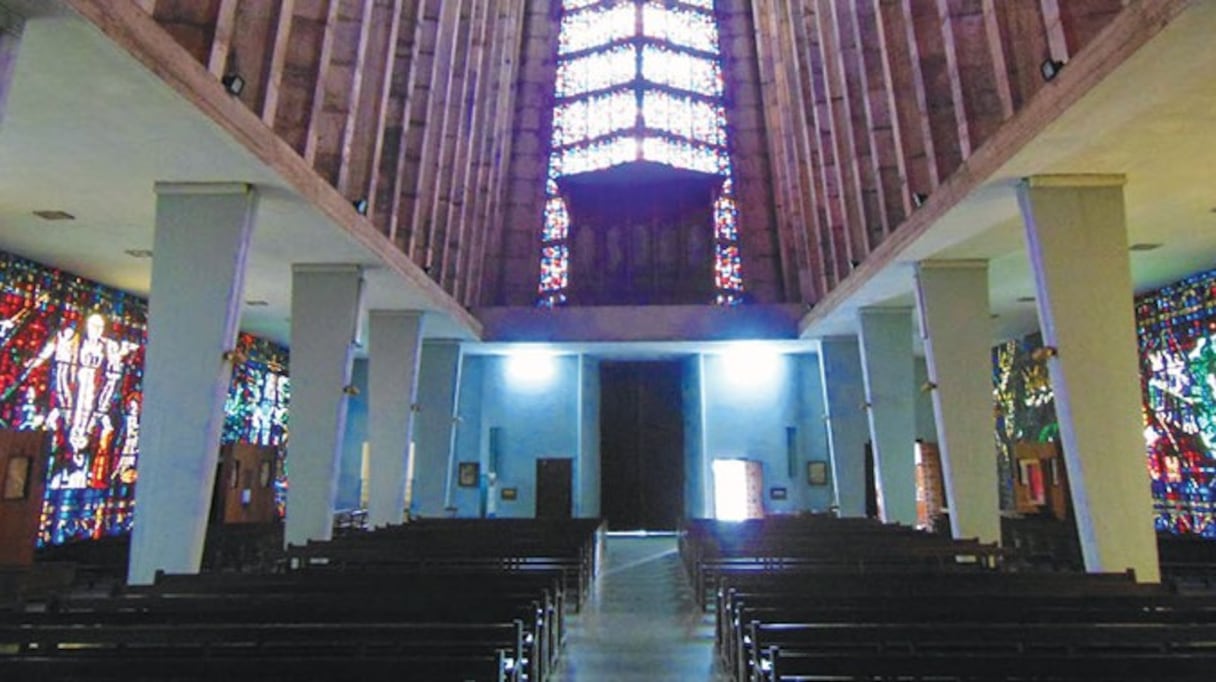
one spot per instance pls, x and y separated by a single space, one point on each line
641 445
22 484
245 484
554 496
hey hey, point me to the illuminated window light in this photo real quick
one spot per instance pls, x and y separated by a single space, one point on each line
730 489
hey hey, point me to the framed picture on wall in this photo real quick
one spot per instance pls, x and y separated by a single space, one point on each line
817 473
469 473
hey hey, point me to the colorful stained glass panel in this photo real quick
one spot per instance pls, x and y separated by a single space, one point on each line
686 117
596 26
596 71
680 26
681 70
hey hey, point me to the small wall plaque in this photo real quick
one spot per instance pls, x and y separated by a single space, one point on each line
469 473
817 473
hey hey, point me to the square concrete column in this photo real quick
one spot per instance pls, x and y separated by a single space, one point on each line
952 297
1076 234
889 369
198 278
435 427
394 349
325 304
844 398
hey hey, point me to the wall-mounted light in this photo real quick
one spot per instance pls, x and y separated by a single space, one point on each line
350 389
751 365
531 368
360 206
234 84
919 199
1044 354
1050 68
928 387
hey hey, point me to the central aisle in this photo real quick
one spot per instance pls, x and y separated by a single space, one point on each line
641 622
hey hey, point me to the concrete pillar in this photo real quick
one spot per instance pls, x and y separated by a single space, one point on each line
888 367
1077 237
434 428
953 300
394 349
325 301
198 278
844 398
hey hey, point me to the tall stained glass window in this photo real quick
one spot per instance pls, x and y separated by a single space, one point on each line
638 80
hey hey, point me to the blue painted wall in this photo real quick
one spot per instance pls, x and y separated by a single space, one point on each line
535 420
747 415
560 418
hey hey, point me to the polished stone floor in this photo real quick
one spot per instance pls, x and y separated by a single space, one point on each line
641 622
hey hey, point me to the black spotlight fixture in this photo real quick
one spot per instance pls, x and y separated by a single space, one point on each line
919 199
1050 68
233 83
360 206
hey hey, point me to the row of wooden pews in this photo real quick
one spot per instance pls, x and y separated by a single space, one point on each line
910 619
484 613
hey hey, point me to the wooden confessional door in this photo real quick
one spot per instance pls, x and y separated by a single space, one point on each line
245 484
554 494
22 484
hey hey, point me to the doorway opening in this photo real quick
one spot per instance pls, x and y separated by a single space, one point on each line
641 445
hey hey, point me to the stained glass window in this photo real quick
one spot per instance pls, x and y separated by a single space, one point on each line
599 70
71 364
1177 333
639 80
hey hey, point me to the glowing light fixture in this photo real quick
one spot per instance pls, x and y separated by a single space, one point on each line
531 368
751 365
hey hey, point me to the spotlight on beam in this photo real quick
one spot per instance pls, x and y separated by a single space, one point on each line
1050 68
234 84
919 199
360 206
